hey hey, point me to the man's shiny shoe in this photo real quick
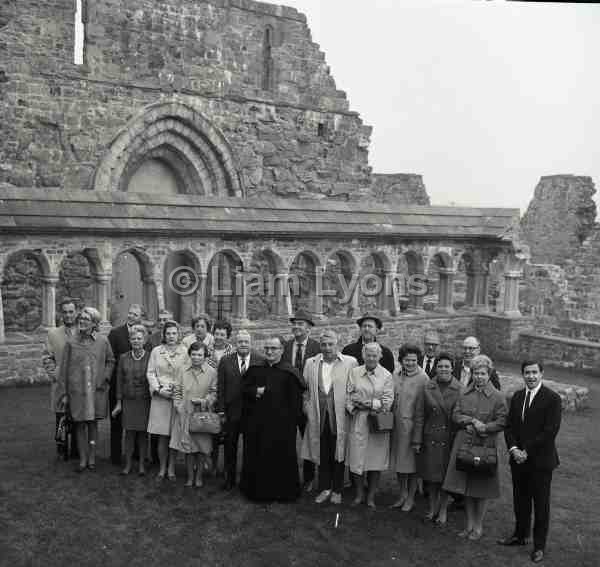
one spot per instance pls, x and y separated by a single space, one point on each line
512 540
537 555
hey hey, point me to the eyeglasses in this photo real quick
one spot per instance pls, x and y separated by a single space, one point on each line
271 348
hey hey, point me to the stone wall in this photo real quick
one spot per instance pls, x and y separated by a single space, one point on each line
400 188
499 335
560 217
564 281
561 351
294 136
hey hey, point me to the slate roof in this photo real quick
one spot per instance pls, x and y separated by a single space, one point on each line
49 211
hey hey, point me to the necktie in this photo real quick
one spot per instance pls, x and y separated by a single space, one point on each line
428 366
298 361
243 367
526 404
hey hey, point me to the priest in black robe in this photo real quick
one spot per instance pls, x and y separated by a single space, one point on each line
272 393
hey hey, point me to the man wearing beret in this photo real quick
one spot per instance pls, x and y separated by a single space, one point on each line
370 325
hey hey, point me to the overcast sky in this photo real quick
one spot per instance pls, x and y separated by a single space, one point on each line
481 98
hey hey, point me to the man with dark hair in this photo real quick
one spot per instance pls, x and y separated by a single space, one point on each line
533 423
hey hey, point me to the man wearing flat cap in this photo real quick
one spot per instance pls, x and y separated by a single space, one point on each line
370 325
296 352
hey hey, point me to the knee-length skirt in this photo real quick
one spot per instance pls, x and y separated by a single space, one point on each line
135 414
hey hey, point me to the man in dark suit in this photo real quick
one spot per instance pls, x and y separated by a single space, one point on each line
296 352
119 342
462 366
431 342
369 328
230 372
533 423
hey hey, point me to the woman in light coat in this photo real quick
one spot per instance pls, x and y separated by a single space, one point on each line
326 376
370 390
165 361
480 414
195 390
407 436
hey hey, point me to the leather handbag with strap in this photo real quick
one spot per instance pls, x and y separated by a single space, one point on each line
477 455
204 422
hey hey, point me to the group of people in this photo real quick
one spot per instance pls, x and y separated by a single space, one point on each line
354 409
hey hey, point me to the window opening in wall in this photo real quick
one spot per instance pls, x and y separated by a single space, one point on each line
267 75
321 130
79 33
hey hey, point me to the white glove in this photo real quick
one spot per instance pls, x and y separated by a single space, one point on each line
376 404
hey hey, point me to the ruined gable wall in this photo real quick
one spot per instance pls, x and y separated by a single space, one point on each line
296 138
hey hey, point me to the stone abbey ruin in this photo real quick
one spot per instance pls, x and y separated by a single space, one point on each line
210 136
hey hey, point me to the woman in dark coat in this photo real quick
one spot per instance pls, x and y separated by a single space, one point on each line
133 397
479 414
440 396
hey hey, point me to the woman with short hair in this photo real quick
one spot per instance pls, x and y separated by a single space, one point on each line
440 396
133 397
407 435
221 346
196 391
480 414
200 332
84 378
370 390
165 362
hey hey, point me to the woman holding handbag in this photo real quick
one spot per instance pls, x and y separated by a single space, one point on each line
407 435
165 362
370 393
195 392
480 414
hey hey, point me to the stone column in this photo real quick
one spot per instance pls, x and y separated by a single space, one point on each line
510 307
200 306
445 290
471 292
482 289
318 296
283 295
149 298
390 301
49 300
239 307
102 284
2 335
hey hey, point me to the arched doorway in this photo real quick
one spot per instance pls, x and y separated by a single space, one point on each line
181 285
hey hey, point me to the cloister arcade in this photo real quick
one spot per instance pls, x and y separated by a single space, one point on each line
248 281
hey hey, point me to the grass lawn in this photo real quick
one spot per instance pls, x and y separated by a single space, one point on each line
50 515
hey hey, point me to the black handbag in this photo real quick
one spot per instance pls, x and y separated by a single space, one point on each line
381 422
477 455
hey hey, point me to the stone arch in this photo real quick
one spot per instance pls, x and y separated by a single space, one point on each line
182 285
176 134
77 278
375 294
225 288
25 282
304 273
340 276
266 285
133 281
